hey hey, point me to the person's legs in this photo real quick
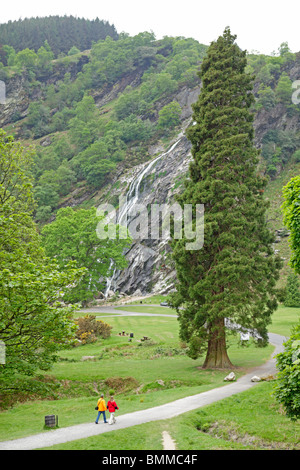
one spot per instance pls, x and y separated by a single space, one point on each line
98 416
112 418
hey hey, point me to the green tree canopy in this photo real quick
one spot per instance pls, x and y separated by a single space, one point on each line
72 237
266 97
26 58
233 276
33 322
287 385
284 90
292 298
169 115
291 213
83 127
62 32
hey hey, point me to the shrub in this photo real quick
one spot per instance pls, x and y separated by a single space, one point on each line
89 329
103 329
287 388
121 384
169 115
292 298
87 337
296 156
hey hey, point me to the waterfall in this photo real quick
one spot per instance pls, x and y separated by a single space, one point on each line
132 197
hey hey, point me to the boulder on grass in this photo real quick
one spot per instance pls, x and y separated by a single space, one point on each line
230 377
255 378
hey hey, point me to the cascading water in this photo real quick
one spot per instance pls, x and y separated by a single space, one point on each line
132 197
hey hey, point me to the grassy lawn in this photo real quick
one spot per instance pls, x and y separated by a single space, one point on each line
149 309
283 319
153 299
248 421
133 370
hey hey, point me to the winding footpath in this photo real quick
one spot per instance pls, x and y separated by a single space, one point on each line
167 411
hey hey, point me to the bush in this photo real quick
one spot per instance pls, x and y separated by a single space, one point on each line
89 329
103 329
121 384
296 156
281 294
287 389
169 115
292 298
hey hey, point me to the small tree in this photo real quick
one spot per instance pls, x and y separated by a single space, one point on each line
73 51
291 214
34 324
89 329
72 237
26 58
169 115
292 298
266 97
287 388
283 91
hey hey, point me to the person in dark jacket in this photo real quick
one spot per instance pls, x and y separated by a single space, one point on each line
112 407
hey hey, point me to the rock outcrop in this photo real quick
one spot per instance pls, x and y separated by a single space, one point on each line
149 264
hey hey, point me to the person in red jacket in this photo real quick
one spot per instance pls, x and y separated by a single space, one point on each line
112 407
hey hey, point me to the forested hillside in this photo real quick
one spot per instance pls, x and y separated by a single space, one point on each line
61 33
87 115
94 114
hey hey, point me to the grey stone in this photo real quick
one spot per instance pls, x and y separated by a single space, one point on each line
255 378
230 377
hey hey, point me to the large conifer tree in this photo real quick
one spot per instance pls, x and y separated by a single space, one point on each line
233 276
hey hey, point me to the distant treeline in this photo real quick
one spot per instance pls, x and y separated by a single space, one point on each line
61 33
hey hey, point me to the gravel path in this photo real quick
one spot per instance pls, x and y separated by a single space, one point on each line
168 442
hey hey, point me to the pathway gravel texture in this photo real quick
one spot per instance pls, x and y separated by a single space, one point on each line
168 442
167 411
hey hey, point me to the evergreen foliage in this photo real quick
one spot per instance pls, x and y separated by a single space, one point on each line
62 33
292 297
233 276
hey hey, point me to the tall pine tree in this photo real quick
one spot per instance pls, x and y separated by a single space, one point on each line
234 275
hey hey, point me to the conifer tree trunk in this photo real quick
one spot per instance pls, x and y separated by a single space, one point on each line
216 355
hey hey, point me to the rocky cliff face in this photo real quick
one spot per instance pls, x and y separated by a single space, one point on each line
150 267
149 262
19 92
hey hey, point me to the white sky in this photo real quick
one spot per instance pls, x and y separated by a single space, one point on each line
260 25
